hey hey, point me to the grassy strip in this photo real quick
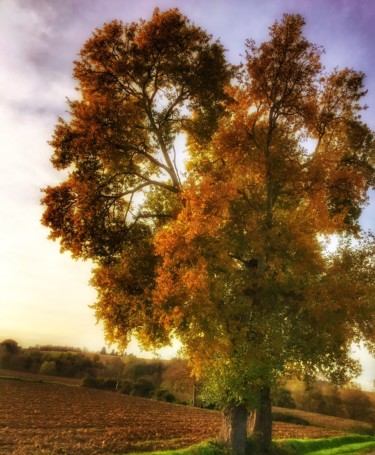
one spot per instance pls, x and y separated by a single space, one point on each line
352 449
205 448
19 378
348 445
352 444
39 381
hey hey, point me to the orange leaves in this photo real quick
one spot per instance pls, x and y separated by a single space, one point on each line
182 276
141 85
340 174
228 259
207 205
339 98
191 248
166 30
283 69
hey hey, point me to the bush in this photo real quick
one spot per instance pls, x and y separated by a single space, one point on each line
90 381
9 354
125 387
109 384
283 398
48 367
32 361
165 395
143 388
73 364
10 347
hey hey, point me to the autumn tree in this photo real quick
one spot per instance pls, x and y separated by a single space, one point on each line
227 259
178 379
358 404
245 281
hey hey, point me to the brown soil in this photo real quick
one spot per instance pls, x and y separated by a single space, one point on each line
43 418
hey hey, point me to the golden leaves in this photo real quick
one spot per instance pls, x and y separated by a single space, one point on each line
229 259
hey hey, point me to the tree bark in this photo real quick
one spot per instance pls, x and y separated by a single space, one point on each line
195 393
261 421
235 428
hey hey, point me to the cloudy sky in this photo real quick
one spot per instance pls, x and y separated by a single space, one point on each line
44 296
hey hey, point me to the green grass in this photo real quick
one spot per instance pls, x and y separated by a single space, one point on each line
205 448
352 444
348 445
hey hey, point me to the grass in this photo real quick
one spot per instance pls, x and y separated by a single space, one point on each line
204 448
351 444
36 377
348 445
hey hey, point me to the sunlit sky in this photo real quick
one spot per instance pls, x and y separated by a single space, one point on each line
44 295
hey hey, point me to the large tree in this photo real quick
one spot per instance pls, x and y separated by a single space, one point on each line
245 281
227 259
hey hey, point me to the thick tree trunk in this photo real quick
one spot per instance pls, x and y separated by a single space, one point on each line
235 428
261 421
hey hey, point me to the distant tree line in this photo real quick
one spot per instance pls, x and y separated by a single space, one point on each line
163 380
170 380
49 360
53 348
349 402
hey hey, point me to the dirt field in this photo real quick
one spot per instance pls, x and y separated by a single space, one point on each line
41 418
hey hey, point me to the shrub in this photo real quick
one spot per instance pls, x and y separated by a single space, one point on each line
109 384
125 387
165 395
10 346
32 361
90 381
48 367
9 354
283 398
73 364
143 388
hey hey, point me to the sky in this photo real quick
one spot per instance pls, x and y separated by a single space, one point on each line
45 295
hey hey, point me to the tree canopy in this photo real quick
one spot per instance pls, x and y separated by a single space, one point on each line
228 259
244 252
141 85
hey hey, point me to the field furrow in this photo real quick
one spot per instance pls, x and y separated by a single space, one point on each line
40 418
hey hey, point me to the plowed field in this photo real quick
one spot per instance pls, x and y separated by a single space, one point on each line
40 418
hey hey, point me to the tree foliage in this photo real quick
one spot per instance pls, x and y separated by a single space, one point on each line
9 353
245 281
244 252
230 258
141 85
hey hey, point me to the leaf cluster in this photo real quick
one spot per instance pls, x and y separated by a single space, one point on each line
228 259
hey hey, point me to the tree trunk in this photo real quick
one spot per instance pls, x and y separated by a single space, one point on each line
261 421
235 428
195 393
